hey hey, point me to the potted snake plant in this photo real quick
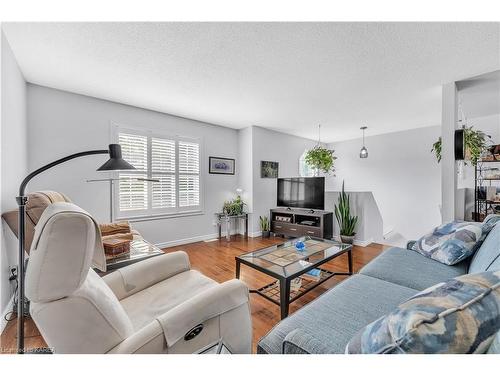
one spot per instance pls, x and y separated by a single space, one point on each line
347 222
265 226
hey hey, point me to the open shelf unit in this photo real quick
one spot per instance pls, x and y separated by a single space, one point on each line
483 206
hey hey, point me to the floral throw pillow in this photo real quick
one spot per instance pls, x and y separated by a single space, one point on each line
459 316
450 243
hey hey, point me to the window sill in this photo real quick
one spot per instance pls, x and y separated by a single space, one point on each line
133 219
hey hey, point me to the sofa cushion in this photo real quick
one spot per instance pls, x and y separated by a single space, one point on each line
489 222
409 268
460 316
450 243
334 317
146 305
487 257
300 342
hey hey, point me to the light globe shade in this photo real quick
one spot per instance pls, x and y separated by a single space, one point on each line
363 154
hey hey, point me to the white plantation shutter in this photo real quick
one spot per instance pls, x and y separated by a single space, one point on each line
189 174
135 150
174 162
163 155
163 169
133 193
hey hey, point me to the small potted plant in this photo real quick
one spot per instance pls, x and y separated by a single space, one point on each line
233 207
347 223
265 226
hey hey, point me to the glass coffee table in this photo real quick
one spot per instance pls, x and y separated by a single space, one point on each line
296 268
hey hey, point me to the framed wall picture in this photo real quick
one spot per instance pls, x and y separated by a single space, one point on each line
220 165
269 169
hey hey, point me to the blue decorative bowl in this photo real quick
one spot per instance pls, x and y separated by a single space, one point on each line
299 245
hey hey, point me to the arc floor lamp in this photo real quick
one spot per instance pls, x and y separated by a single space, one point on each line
115 163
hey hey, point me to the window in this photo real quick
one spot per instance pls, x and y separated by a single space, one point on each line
173 161
304 169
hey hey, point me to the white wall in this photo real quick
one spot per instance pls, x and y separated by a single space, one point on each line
13 156
61 123
450 207
402 174
270 145
244 164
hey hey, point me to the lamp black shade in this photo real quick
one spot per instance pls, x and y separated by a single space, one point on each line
115 162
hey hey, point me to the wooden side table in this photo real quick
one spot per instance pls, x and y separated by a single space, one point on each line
221 217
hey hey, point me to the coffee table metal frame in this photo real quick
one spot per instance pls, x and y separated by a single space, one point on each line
284 281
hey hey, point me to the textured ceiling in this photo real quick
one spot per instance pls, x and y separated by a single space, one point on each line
285 76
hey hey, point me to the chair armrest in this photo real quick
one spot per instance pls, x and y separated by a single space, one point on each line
148 340
301 342
409 244
141 275
211 303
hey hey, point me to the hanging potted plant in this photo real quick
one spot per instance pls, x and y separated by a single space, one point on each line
475 143
347 223
320 158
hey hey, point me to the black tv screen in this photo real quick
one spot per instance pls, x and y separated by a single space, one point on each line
302 192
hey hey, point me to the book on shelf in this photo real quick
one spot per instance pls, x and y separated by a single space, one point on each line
313 275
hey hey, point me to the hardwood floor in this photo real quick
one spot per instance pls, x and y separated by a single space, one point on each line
215 259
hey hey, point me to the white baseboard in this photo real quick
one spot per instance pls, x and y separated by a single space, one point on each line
362 243
7 309
185 241
255 234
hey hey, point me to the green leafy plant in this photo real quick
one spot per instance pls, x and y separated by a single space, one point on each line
475 143
436 148
321 159
233 207
347 223
264 223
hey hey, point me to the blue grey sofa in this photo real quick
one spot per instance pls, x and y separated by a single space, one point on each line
328 323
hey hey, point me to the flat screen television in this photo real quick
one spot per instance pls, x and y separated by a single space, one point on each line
302 192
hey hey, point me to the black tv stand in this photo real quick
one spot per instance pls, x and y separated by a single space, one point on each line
302 222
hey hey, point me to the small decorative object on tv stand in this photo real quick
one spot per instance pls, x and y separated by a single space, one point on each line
302 222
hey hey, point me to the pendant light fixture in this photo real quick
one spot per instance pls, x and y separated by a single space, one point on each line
363 154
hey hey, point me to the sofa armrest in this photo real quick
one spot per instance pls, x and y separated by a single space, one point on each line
409 244
141 275
301 342
213 302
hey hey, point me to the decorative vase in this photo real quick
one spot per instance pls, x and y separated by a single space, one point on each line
347 239
266 234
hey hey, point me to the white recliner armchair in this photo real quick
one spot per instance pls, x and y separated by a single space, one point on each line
159 305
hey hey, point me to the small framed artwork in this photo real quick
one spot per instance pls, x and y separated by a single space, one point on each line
269 169
220 165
